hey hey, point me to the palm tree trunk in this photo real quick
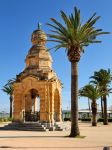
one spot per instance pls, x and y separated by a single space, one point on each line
89 107
74 100
11 99
102 107
105 111
94 113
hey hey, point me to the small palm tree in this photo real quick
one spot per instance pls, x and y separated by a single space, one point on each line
103 78
102 108
74 36
89 106
93 93
8 88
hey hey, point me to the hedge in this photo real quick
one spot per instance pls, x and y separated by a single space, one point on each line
102 119
66 119
86 119
99 120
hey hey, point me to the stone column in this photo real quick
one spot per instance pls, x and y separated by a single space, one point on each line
48 103
28 102
60 108
17 113
23 108
35 104
42 105
52 107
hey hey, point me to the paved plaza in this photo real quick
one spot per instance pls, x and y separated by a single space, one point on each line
95 139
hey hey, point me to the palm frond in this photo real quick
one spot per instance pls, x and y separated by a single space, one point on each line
73 33
8 87
91 92
102 78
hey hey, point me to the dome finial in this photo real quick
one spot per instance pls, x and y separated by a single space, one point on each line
39 26
38 36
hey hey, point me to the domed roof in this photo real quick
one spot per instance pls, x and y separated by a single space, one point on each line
36 48
38 36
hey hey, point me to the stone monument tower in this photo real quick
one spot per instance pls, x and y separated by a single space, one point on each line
37 90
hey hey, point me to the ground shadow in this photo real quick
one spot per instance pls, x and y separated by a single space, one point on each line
33 137
44 136
51 147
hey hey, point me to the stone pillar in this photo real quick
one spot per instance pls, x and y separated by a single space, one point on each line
28 102
52 107
42 107
35 104
57 106
17 113
48 104
59 118
23 108
60 108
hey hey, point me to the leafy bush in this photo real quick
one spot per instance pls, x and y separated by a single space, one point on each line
110 120
102 119
1 119
5 119
9 119
86 119
66 119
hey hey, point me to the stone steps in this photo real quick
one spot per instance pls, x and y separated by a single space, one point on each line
60 126
24 127
36 126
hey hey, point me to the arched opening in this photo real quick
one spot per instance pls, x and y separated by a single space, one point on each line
56 105
32 106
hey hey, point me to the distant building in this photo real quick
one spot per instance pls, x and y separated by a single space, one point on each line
84 113
4 114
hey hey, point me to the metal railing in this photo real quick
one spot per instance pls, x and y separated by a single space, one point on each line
31 116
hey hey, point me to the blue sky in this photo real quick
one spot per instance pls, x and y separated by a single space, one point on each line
19 18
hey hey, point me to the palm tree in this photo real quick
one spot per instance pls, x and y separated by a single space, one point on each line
8 88
95 81
103 78
74 36
89 106
102 108
93 93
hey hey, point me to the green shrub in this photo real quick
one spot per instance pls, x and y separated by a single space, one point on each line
1 119
9 119
66 119
102 119
110 120
86 119
5 119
